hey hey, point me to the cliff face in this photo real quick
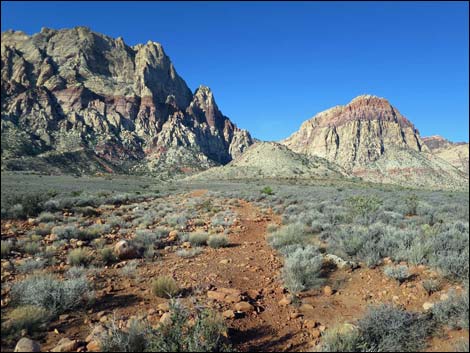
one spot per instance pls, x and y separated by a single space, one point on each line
455 153
65 91
371 139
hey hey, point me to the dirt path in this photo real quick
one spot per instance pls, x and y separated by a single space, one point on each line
248 265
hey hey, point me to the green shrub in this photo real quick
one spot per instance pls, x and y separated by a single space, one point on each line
47 217
79 257
363 205
291 234
432 285
28 317
389 329
217 241
107 255
165 287
342 338
452 312
6 247
198 239
267 190
52 294
302 269
176 335
399 273
32 247
188 253
31 265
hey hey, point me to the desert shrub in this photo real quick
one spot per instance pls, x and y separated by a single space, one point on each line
302 269
272 227
165 287
389 329
52 294
205 335
399 273
188 253
129 269
342 338
6 246
30 318
79 257
47 217
44 229
363 206
135 339
267 190
87 211
290 234
411 202
462 346
449 250
432 285
66 232
32 247
217 241
24 205
198 239
30 265
107 255
177 220
452 312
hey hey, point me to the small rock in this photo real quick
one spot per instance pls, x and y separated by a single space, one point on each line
444 296
165 319
224 261
96 332
123 250
427 306
285 301
327 290
163 307
295 315
315 333
27 345
93 346
211 294
65 345
244 307
228 314
310 323
306 307
253 294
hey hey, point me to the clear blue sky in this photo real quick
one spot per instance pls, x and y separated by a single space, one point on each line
273 65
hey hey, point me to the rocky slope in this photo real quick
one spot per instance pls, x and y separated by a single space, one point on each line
273 160
370 138
455 153
73 93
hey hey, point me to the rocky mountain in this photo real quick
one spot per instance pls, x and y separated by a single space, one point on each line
76 100
370 138
455 153
273 160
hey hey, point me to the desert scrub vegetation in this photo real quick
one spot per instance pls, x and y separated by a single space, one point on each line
302 268
400 273
79 257
384 328
454 311
28 318
217 241
267 190
54 295
189 253
165 287
6 246
203 331
198 239
291 234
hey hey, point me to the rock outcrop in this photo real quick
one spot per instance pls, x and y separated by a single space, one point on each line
455 153
77 92
369 138
273 160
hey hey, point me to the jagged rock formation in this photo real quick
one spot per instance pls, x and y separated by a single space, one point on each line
371 139
77 92
273 160
455 153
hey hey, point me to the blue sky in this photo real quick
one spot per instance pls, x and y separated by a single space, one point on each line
273 65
